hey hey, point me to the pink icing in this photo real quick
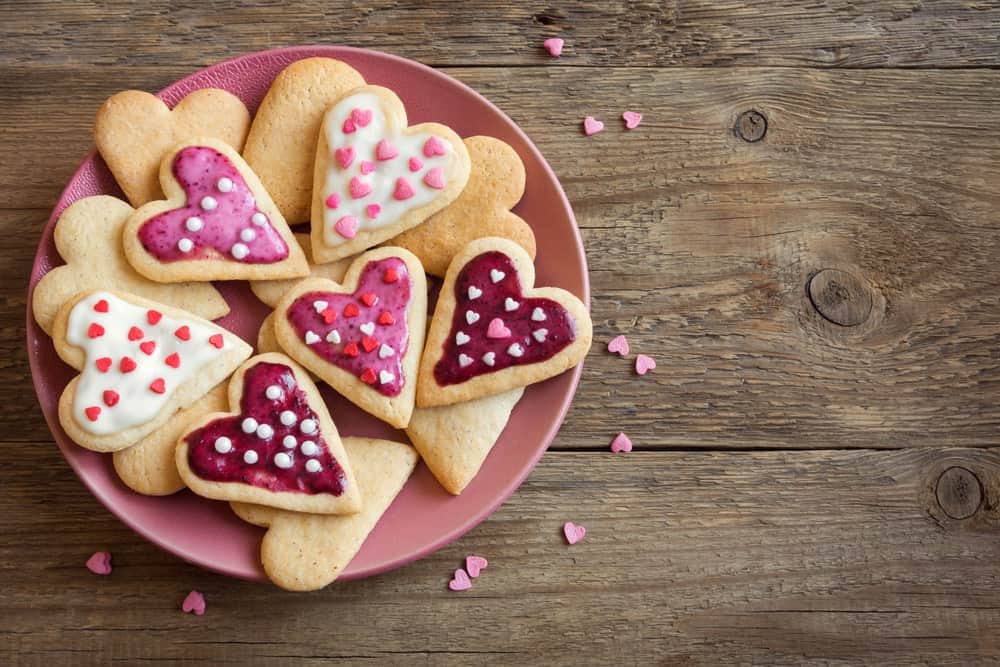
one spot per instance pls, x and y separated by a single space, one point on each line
199 170
379 301
210 464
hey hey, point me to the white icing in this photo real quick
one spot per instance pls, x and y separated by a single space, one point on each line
490 358
273 392
383 181
540 334
249 425
471 316
309 448
312 465
264 431
496 275
250 456
538 315
137 403
287 417
509 304
289 441
385 351
239 251
308 426
247 235
224 185
209 203
461 338
312 337
474 292
319 305
283 460
194 224
464 360
185 245
258 219
333 336
223 445
368 328
385 377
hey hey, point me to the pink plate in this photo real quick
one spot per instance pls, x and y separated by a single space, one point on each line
424 517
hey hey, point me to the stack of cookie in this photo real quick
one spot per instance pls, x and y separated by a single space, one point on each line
181 402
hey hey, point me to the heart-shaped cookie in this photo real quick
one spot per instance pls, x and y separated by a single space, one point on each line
281 146
305 552
278 447
134 130
217 223
375 177
496 184
140 363
364 338
88 236
493 330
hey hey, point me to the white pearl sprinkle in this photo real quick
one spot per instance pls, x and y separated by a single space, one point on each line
287 417
509 304
283 460
540 334
194 224
312 465
250 456
259 219
474 292
333 336
464 360
248 235
308 426
223 445
209 203
264 431
273 392
309 448
239 251
368 328
515 350
385 351
320 305
497 276
385 377
311 338
538 315
185 245
461 338
224 185
490 358
471 316
289 441
249 425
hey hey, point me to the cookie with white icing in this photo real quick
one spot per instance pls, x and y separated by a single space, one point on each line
305 552
494 331
496 184
134 130
375 177
271 291
277 445
216 223
88 235
363 337
139 361
281 146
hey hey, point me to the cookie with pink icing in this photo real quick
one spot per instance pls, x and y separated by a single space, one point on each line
276 447
362 337
375 177
493 330
216 223
140 363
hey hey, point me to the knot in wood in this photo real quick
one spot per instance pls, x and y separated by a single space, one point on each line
959 492
840 297
751 126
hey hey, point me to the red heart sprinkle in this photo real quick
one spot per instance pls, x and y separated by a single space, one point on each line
368 377
103 364
126 365
184 333
153 316
386 318
93 412
111 398
147 346
158 385
95 330
174 360
216 340
390 276
369 343
351 350
101 306
328 315
135 333
351 310
369 299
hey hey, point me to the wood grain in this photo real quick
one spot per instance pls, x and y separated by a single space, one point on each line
689 558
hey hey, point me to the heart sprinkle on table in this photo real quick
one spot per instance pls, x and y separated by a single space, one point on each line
592 126
621 443
194 603
554 45
461 581
100 563
618 345
643 364
475 564
632 119
573 532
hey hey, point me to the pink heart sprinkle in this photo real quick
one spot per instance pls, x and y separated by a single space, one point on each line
460 582
434 178
100 563
367 167
475 564
373 210
497 329
349 127
592 126
621 443
554 45
618 344
403 190
361 117
359 188
644 364
385 150
632 119
434 146
333 201
347 227
194 603
345 156
573 532
415 164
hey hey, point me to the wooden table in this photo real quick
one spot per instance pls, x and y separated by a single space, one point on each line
803 232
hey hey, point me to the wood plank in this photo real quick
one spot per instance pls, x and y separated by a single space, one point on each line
702 245
690 558
829 33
